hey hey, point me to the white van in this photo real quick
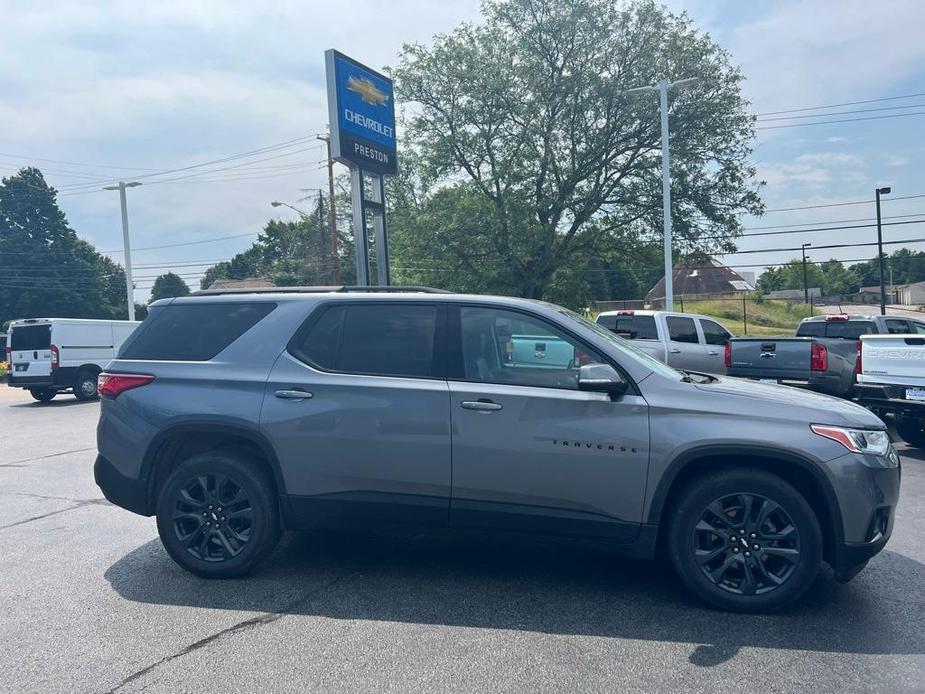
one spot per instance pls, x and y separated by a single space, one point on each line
47 356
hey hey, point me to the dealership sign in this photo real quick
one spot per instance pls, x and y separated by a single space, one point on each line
361 111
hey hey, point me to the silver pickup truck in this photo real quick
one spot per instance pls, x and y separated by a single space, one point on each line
822 357
686 341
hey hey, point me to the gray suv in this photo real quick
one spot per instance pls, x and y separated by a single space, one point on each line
232 416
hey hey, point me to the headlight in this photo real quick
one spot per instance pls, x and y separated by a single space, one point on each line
872 441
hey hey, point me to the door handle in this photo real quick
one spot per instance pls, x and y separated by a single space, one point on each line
480 405
293 394
674 351
713 353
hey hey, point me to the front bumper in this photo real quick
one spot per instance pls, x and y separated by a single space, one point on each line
130 494
867 497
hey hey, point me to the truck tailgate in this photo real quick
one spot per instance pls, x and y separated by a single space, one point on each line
778 358
893 359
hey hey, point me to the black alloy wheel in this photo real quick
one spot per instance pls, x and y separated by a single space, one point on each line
746 544
213 517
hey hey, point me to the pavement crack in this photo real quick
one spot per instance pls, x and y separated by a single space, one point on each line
259 620
77 504
19 463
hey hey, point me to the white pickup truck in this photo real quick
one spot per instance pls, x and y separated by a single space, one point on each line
686 341
891 378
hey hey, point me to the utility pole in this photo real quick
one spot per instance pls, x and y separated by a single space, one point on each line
662 88
805 282
332 214
881 191
129 286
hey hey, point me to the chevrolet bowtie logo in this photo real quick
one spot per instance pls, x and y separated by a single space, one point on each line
367 91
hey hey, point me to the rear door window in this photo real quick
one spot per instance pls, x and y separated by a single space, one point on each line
192 331
378 339
26 338
714 333
631 327
681 329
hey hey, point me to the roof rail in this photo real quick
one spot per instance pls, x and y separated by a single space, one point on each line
398 288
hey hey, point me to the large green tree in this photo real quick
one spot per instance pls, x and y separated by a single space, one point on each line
525 158
832 277
45 269
167 286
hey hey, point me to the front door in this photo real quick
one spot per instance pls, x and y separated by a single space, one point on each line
359 416
530 451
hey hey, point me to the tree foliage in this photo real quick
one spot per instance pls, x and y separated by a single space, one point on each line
832 277
45 269
167 286
904 266
526 163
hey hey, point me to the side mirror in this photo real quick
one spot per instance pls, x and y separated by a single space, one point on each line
601 378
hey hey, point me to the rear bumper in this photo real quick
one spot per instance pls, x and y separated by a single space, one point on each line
888 398
59 379
130 494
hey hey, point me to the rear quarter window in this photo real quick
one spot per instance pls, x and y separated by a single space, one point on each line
192 332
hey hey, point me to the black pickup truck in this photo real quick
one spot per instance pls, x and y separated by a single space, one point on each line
822 357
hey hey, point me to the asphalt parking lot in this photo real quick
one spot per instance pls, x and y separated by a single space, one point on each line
90 602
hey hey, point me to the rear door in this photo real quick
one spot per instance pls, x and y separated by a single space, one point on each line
30 346
715 338
370 439
685 350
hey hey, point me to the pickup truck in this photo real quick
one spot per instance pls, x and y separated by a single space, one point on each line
823 356
686 341
892 379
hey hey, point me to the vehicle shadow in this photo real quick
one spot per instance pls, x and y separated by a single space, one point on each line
539 587
68 402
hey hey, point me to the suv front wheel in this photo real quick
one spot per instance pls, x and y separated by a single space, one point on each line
745 540
217 514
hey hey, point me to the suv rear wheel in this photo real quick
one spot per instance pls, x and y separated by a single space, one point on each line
745 540
911 431
217 514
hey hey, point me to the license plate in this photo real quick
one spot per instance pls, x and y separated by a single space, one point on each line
915 394
22 367
768 380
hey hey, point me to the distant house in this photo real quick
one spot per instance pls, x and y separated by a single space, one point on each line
909 294
869 290
708 279
246 283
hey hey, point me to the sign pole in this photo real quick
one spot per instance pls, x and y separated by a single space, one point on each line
379 227
359 226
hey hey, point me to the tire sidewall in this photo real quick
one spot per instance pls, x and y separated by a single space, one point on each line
704 491
245 472
43 394
910 430
83 377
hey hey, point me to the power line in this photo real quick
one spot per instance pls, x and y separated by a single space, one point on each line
841 113
846 103
843 120
843 204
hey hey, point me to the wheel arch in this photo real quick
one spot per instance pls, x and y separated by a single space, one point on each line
95 368
181 441
800 472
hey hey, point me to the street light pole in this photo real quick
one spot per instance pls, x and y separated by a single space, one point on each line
805 282
332 213
881 191
129 286
662 88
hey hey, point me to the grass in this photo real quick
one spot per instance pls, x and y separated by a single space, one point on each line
769 317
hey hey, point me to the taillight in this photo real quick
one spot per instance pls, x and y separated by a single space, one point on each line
55 357
111 385
818 357
727 355
858 366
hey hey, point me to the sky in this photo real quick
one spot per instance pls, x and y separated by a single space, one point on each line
96 92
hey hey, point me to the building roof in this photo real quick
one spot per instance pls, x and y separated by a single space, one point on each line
711 277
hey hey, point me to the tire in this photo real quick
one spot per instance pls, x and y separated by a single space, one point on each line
910 430
85 387
198 494
716 569
44 394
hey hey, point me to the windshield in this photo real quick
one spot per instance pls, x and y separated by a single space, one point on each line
626 346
